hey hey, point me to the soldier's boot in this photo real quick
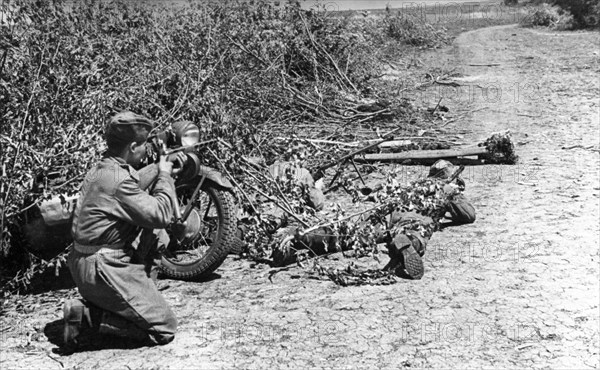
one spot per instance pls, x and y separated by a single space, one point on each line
114 325
418 242
77 317
405 252
238 244
410 259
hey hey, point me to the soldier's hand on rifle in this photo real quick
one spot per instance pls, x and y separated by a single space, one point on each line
461 184
173 163
450 189
164 165
178 159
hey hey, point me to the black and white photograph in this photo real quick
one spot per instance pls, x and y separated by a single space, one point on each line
299 184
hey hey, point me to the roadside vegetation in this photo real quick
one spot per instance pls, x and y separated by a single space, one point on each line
246 72
563 14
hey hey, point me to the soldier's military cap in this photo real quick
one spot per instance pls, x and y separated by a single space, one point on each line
130 118
127 127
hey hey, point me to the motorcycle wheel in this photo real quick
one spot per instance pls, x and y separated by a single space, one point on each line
217 234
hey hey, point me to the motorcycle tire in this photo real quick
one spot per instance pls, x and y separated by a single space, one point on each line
218 242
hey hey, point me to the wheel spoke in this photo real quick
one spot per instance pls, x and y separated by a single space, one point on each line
209 228
207 209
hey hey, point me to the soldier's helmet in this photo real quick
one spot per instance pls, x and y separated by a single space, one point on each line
441 169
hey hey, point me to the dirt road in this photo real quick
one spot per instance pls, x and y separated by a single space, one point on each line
519 288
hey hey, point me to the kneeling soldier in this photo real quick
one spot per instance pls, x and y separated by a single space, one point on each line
112 233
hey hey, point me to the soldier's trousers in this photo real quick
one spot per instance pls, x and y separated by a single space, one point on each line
109 280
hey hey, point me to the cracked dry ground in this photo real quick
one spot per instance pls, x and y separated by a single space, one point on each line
519 288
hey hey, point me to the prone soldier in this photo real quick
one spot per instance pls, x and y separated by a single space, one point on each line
406 249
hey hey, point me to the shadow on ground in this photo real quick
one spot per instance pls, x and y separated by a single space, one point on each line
87 341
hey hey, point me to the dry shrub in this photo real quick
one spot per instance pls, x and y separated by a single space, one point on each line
413 30
244 71
548 16
564 14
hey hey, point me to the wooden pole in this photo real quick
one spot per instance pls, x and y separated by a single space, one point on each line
319 172
422 154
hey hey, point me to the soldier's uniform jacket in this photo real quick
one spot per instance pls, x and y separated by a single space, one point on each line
461 210
112 208
111 212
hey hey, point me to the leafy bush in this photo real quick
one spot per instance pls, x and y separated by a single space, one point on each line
244 71
586 13
548 16
564 14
